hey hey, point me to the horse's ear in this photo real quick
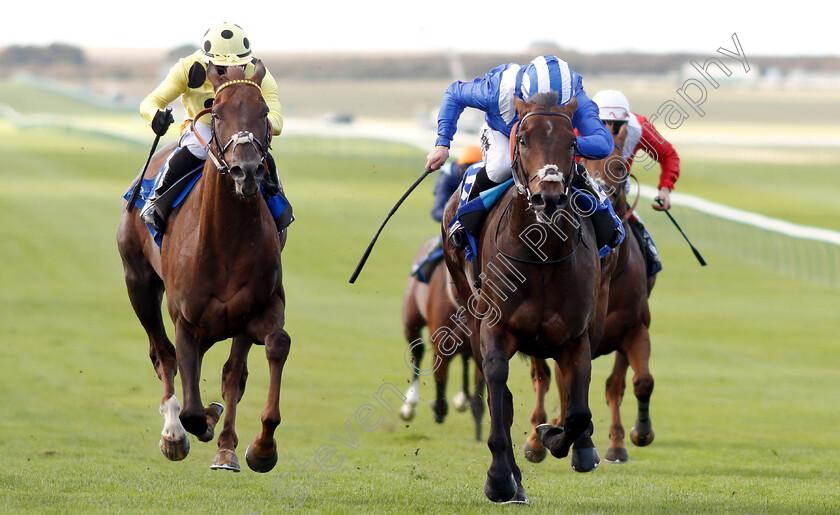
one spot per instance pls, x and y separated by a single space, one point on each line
570 108
520 105
213 76
259 72
621 137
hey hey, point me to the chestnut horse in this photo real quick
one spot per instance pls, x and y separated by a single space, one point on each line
543 302
626 326
219 264
433 305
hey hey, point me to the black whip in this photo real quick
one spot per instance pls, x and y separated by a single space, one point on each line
393 210
696 252
136 192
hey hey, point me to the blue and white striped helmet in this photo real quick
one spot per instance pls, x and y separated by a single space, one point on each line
547 73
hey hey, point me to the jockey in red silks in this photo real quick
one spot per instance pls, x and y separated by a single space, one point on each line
614 111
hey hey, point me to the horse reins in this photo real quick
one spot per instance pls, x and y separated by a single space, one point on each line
529 261
629 212
240 138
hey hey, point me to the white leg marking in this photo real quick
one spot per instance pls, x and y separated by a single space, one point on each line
460 401
173 430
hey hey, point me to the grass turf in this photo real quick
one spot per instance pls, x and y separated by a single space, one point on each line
745 362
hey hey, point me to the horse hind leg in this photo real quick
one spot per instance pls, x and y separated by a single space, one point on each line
413 324
412 395
461 400
534 449
234 377
616 452
440 408
145 292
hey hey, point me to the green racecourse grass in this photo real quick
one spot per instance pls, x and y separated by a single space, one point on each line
745 363
745 360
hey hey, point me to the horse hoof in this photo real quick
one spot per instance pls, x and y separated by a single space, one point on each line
534 455
461 402
407 412
585 460
501 493
259 463
641 440
552 438
225 460
520 498
440 410
617 455
214 413
175 450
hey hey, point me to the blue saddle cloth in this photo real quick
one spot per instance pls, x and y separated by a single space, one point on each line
276 204
423 269
471 214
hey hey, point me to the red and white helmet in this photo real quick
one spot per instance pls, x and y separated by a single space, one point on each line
613 106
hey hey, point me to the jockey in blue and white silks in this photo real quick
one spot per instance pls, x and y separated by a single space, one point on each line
494 95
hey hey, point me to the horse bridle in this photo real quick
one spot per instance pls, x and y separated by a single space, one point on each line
523 187
522 183
217 152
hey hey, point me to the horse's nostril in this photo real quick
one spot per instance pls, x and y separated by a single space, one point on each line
537 200
236 172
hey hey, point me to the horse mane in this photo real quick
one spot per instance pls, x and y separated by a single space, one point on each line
545 99
234 73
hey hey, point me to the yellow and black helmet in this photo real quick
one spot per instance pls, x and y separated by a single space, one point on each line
226 44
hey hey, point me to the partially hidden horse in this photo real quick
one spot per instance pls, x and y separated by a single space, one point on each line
433 305
626 326
219 264
544 300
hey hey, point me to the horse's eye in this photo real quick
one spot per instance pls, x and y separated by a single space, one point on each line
265 112
522 141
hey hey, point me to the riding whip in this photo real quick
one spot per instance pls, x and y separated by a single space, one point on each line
393 210
136 192
696 252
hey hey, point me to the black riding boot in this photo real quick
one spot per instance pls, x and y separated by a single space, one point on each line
606 230
182 162
273 187
476 219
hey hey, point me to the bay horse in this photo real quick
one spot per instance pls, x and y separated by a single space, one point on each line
626 328
433 305
219 264
543 302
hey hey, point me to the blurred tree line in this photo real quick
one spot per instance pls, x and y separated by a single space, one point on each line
31 55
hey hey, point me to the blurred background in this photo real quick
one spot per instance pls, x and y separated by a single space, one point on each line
745 351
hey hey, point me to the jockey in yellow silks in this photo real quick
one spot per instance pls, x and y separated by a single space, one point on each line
224 45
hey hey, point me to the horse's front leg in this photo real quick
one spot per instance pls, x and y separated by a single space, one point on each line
638 355
234 376
193 415
504 479
261 455
575 366
534 449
